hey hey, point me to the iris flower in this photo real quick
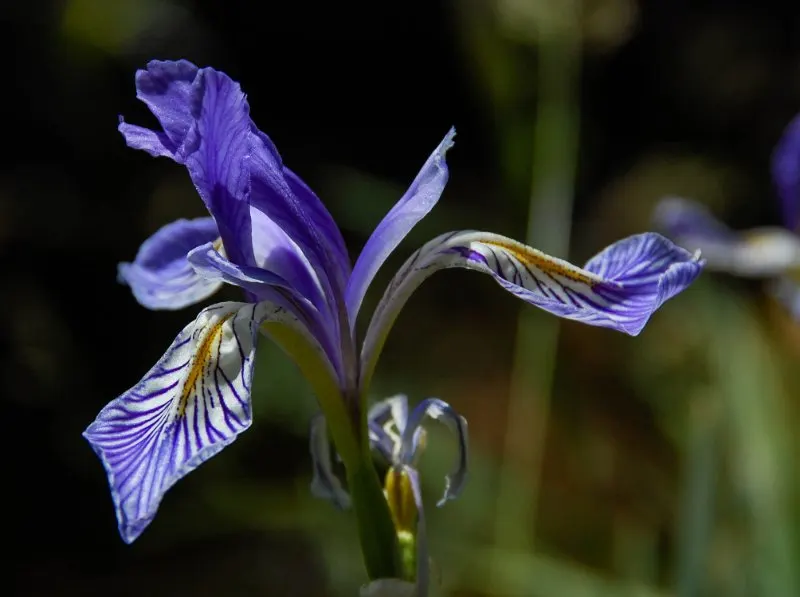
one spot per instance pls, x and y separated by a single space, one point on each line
771 253
399 437
271 236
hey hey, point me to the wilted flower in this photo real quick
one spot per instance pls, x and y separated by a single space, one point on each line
399 438
271 236
767 252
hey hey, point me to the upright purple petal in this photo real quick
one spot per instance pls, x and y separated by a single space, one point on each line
216 153
786 174
168 88
161 277
206 123
236 169
417 202
291 204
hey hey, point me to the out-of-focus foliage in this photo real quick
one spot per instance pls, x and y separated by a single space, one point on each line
664 465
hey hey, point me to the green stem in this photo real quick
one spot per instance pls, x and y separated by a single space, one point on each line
697 502
376 531
549 222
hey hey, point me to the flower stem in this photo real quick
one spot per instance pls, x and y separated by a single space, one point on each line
376 531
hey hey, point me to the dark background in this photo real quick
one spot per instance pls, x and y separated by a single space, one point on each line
675 97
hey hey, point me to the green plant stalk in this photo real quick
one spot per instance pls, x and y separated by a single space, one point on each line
376 531
549 223
697 502
348 428
758 424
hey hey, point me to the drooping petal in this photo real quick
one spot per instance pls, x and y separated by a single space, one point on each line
761 252
168 88
192 403
324 482
786 174
419 199
161 277
438 410
619 289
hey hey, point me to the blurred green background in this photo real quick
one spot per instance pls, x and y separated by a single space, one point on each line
607 466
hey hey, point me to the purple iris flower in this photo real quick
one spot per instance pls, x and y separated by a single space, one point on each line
772 253
270 235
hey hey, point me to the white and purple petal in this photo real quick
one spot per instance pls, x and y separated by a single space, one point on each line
161 277
619 289
756 253
192 403
415 204
786 174
437 410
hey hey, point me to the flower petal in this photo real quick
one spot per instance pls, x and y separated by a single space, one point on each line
168 88
393 409
438 410
206 122
239 175
419 199
324 482
161 277
786 174
216 153
193 403
386 420
264 285
292 205
619 289
689 220
761 252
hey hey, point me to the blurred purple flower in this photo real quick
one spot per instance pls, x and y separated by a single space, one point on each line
767 252
270 235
